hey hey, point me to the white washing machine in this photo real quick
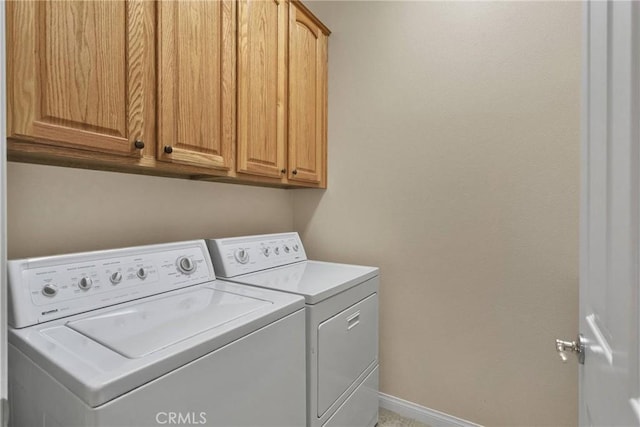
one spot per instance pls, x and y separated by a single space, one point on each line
146 336
341 317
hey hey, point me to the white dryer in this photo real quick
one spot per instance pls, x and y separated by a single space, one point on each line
341 317
146 336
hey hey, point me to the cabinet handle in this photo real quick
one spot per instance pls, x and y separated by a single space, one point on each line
168 149
138 144
295 171
283 171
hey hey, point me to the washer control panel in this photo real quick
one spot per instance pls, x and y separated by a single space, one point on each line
48 288
242 255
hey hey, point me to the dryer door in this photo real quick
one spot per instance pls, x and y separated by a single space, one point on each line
347 346
142 329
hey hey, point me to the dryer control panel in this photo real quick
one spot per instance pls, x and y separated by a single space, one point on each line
248 254
48 288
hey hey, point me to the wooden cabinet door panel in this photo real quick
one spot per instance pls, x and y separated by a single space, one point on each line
196 82
77 72
307 97
262 43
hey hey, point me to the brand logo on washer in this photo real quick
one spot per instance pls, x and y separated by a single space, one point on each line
49 312
181 418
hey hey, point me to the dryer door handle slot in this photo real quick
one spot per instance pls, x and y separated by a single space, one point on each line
353 320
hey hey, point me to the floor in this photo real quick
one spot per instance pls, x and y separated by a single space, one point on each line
387 418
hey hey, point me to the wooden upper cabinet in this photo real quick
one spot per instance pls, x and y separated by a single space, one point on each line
80 73
262 80
307 135
231 88
196 79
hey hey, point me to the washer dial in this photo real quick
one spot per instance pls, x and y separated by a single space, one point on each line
49 290
115 278
141 273
186 265
85 283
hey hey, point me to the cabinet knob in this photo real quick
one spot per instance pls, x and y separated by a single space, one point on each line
168 149
138 144
283 171
295 171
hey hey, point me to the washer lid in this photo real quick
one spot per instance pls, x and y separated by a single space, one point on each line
106 353
314 280
147 327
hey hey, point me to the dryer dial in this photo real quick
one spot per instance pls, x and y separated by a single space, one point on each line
241 255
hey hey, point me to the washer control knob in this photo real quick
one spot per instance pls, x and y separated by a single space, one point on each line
242 256
266 251
85 283
116 278
295 247
286 248
186 265
49 290
141 273
276 250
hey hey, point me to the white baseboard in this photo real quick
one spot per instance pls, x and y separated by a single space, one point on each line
420 413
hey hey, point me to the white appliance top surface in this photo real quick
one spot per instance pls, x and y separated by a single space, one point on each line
315 280
150 326
105 353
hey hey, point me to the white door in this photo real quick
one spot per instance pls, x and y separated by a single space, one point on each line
610 215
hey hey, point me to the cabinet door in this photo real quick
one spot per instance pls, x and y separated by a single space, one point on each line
196 100
307 96
262 43
78 72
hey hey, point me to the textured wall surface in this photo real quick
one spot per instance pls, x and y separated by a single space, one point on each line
454 166
53 210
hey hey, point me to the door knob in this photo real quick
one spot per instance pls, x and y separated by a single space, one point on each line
577 347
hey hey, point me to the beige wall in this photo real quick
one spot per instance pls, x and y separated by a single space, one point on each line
454 166
54 210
